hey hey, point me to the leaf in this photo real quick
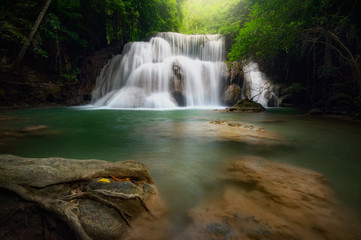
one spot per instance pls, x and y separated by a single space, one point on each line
104 180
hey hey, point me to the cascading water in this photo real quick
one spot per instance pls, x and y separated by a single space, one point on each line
170 70
257 87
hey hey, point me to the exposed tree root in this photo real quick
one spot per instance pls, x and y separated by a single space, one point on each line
64 210
90 195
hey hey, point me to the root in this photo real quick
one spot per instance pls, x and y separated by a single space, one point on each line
123 196
90 195
63 210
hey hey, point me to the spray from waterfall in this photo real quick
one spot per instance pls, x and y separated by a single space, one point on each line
170 70
257 87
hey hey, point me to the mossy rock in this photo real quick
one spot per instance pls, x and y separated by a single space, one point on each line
69 194
245 105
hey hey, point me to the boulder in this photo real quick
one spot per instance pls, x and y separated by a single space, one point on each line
232 94
245 105
57 198
236 74
262 199
177 88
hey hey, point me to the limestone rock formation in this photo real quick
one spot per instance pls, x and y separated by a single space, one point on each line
236 75
232 95
177 85
262 199
56 198
245 105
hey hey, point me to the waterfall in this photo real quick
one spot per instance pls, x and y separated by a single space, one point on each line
169 71
257 87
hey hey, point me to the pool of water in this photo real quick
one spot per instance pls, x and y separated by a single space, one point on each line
182 162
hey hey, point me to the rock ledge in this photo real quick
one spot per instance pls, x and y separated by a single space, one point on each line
57 198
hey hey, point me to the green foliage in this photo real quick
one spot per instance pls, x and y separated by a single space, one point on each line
294 89
11 33
212 16
273 27
131 20
70 76
311 45
16 21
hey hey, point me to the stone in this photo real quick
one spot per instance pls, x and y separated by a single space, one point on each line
68 193
220 130
232 95
177 85
236 74
263 199
245 105
33 128
315 112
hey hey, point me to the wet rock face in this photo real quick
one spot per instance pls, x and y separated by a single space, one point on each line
232 95
233 87
262 199
76 199
177 85
236 74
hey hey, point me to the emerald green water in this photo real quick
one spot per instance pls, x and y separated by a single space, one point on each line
183 163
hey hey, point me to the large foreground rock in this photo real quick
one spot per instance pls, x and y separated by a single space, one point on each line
262 199
56 198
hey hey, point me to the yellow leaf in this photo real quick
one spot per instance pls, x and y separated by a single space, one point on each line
104 180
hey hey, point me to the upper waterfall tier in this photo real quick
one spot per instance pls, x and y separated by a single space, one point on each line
202 47
170 70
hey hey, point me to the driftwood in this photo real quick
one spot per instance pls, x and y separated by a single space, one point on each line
89 196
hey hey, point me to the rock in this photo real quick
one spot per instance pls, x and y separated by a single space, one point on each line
315 112
83 199
245 105
262 199
232 95
177 85
33 128
236 74
220 130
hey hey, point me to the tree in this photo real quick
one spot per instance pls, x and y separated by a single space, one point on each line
21 54
315 42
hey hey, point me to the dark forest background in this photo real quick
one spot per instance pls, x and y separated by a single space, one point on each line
310 48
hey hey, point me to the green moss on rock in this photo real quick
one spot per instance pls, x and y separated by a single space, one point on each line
245 105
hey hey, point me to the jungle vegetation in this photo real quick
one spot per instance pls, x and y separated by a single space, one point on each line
311 48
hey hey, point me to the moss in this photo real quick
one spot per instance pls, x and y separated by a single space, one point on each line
49 93
246 105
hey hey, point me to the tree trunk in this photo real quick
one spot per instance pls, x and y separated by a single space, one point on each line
21 54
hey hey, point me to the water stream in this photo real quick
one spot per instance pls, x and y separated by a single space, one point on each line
182 161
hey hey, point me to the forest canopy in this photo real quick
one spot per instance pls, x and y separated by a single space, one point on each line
311 47
305 45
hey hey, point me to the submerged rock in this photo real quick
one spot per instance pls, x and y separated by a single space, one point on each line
33 128
219 130
76 199
245 105
262 199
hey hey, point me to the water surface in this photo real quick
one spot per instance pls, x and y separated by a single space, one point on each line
183 163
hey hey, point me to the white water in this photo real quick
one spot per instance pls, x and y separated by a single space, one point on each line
170 70
257 87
